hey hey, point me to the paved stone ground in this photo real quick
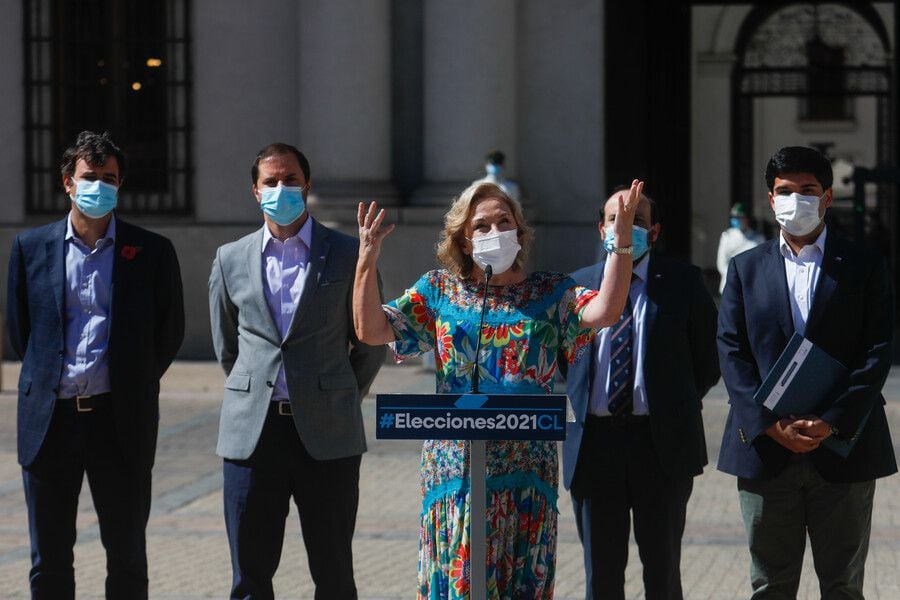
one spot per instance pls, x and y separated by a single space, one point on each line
189 552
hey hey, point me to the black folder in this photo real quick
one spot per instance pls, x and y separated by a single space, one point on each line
806 380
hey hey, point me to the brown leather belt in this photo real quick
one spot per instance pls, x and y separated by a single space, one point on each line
84 403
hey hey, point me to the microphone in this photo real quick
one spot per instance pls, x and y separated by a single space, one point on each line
488 272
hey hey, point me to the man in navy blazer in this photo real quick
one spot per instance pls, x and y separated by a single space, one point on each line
94 310
837 295
640 457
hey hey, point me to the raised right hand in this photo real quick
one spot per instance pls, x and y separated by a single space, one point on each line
625 214
370 231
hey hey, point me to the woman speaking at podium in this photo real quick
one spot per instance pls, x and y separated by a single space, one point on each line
528 318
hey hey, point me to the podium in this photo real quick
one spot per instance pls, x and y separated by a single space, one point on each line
476 417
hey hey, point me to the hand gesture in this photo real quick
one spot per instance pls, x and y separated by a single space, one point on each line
370 231
625 214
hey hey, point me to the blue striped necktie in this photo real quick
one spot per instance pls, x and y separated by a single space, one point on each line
621 372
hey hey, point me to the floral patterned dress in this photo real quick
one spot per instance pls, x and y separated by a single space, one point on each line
525 325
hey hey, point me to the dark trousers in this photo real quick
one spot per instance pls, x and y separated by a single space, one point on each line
257 496
617 476
79 443
780 512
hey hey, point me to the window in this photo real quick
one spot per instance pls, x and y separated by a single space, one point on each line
827 99
110 65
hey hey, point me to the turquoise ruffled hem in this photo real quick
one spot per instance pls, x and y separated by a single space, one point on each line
459 487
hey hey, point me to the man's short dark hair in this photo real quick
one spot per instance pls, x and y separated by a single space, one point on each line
496 157
279 149
95 149
654 207
799 159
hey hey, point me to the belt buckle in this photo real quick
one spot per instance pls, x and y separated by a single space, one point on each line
79 408
284 408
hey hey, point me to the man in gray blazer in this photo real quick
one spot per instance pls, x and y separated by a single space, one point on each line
291 425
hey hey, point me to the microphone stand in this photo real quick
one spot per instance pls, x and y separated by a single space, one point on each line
477 487
488 272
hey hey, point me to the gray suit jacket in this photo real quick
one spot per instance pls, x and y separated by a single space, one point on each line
326 367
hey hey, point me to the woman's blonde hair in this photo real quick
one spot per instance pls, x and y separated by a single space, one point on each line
450 247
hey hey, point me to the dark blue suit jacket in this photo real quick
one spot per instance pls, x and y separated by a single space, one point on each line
680 366
146 331
851 319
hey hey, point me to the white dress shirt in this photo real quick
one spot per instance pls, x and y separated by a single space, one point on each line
802 273
284 266
599 400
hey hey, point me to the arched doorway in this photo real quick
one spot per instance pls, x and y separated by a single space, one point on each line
829 57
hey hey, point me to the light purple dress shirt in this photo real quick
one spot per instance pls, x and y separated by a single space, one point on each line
802 272
88 301
284 266
599 399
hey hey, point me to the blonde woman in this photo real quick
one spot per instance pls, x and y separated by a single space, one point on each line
530 316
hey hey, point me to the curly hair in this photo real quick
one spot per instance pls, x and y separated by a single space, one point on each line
95 149
450 247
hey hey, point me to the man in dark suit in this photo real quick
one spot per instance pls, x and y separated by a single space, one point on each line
637 441
837 295
291 425
94 309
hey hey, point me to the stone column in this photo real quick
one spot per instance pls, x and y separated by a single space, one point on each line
12 117
344 83
561 128
469 95
245 90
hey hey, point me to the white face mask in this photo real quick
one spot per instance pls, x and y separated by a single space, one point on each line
797 214
496 249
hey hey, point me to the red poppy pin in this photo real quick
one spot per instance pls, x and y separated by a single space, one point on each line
129 252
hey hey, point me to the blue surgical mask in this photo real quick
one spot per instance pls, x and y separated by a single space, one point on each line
735 222
95 199
493 169
638 240
283 204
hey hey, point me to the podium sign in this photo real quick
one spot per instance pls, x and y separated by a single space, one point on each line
475 417
470 417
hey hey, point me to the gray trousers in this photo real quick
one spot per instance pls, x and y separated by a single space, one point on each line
779 513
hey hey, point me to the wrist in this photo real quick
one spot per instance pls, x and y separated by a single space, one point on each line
366 261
